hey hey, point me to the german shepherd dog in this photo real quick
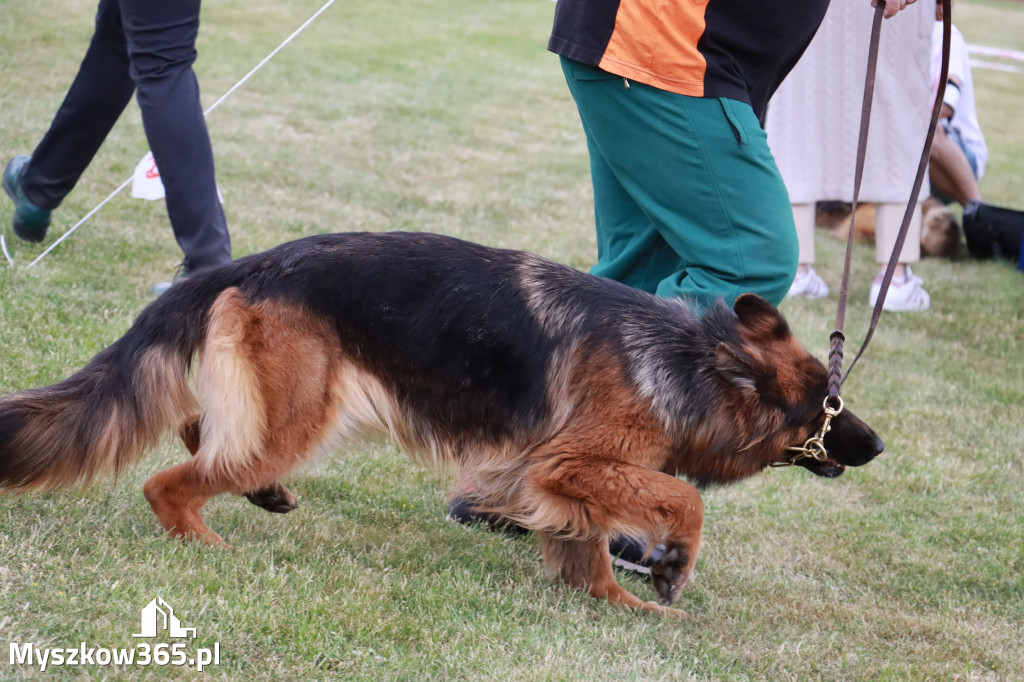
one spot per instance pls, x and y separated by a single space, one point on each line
570 402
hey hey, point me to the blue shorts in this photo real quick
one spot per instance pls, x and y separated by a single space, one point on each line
954 134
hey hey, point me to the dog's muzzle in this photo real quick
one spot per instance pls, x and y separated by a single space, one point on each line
814 447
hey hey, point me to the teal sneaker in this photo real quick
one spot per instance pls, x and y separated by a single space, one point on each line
30 222
182 272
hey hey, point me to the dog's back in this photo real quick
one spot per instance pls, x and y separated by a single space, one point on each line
471 344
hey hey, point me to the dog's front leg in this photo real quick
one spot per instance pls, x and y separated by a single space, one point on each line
590 498
584 565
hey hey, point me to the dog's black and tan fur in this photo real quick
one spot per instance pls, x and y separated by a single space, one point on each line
570 402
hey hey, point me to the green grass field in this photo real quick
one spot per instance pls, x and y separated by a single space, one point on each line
452 117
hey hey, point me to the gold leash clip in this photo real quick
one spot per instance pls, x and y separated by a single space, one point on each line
814 447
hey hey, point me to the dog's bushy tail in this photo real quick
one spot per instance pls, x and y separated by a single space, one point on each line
103 418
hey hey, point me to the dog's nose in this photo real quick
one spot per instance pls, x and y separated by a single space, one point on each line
879 445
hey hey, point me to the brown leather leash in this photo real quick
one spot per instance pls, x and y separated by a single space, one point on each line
836 377
814 447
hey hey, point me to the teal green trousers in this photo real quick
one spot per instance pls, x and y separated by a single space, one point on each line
688 200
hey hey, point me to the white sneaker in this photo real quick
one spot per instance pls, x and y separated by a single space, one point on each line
808 285
904 295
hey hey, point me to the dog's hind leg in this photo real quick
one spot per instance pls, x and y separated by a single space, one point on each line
178 494
581 501
274 497
271 385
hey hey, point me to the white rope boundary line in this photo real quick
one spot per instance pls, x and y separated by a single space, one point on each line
998 53
995 66
988 51
213 106
270 56
3 245
74 227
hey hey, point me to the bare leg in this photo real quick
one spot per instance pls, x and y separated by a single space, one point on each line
949 170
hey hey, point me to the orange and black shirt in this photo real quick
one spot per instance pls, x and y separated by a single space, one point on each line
740 49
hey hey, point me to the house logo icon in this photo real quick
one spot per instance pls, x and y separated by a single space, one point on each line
158 616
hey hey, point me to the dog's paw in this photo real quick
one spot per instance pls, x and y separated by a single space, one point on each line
274 498
654 607
669 573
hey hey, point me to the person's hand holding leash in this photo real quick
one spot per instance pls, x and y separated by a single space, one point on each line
892 6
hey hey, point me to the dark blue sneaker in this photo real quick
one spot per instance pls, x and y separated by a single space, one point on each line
182 272
460 510
30 222
628 554
993 231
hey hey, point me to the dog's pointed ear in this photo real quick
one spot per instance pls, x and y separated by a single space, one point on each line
736 367
760 317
